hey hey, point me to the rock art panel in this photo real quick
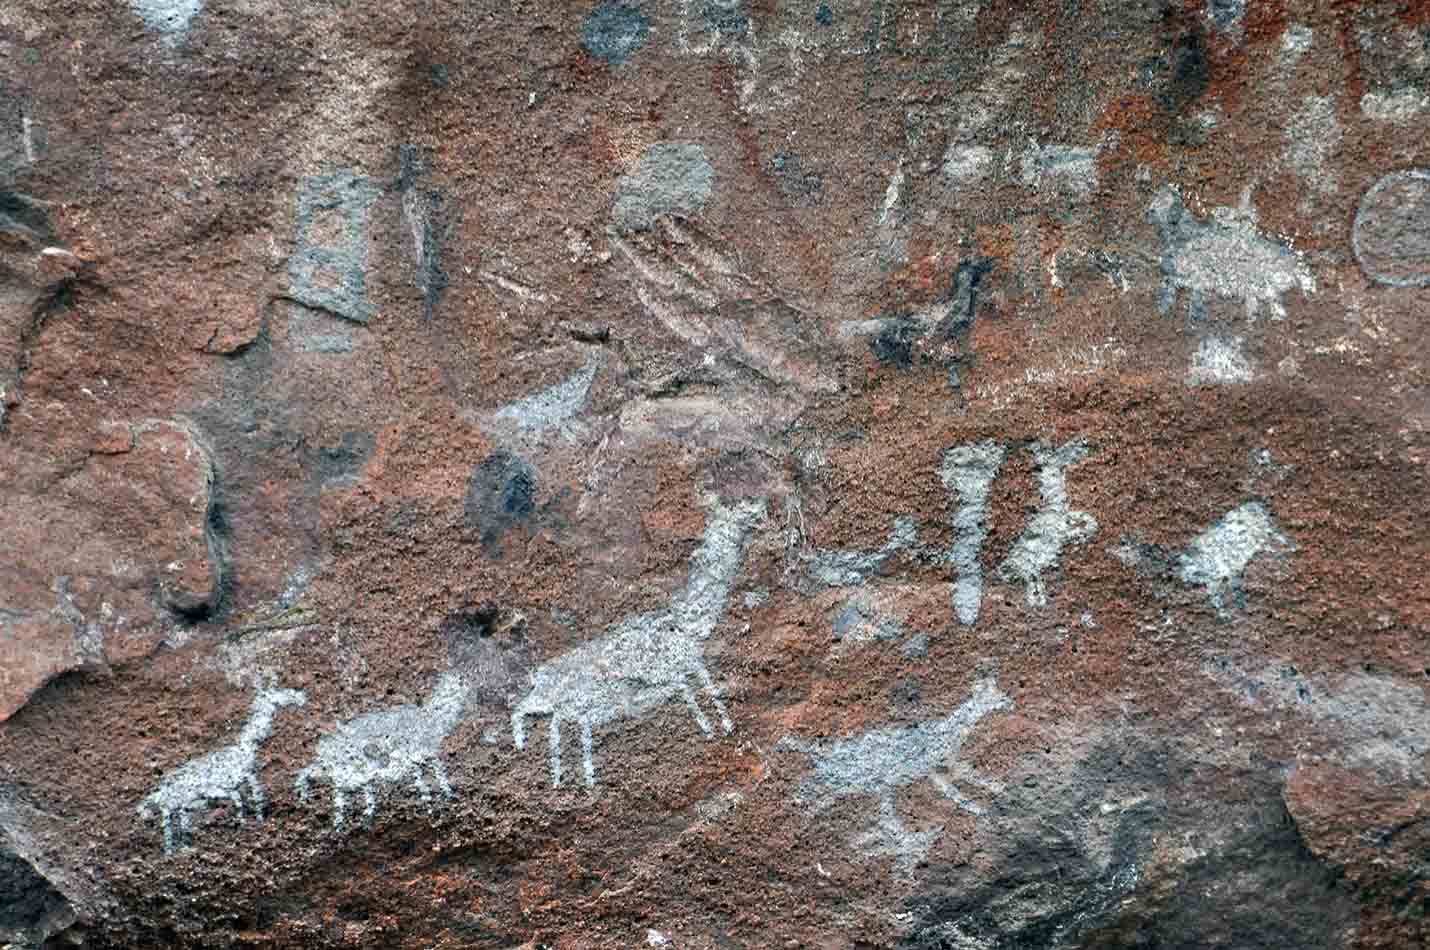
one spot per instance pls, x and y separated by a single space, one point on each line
1391 233
644 661
880 762
226 774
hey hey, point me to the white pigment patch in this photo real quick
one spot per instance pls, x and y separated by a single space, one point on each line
1220 362
1217 558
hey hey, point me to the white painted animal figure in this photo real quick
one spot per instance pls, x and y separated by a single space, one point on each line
1225 255
1217 558
390 745
882 761
644 661
221 775
1054 527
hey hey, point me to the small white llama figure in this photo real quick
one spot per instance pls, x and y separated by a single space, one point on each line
220 775
390 745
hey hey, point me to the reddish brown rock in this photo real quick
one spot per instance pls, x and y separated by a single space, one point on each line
726 474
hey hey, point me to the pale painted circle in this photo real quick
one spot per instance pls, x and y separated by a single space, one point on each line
1391 234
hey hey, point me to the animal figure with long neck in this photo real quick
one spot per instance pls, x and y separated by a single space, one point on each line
644 661
390 745
221 775
882 761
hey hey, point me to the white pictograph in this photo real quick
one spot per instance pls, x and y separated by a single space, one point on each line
222 775
644 661
401 744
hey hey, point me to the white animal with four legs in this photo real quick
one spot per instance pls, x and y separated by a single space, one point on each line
221 775
390 745
644 661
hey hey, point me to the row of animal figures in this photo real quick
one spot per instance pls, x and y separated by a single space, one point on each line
646 660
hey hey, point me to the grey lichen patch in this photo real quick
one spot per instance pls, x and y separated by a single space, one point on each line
1224 255
969 470
669 178
1217 558
1055 526
845 568
881 761
1391 235
614 31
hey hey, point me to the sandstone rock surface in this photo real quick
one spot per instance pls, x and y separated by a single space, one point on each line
714 473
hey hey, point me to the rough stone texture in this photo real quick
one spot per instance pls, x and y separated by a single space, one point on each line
714 473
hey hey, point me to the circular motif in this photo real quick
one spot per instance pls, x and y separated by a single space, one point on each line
1391 234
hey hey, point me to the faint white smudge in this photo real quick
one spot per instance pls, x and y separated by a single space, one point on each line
1311 138
169 17
1395 105
551 407
964 164
1220 361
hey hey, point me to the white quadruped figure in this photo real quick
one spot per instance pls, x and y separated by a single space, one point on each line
882 761
643 661
390 745
221 775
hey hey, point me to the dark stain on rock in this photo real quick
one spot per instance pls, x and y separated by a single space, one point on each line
614 31
824 16
1190 74
796 183
430 215
500 495
31 909
1076 873
894 344
332 463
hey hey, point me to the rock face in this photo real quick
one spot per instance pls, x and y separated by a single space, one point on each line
876 473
